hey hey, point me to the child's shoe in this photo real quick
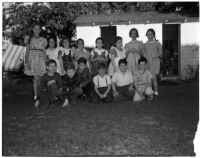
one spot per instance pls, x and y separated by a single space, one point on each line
36 104
66 103
156 93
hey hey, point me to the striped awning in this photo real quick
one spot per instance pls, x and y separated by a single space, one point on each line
13 57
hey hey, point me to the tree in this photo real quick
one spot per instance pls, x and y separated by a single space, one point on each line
59 17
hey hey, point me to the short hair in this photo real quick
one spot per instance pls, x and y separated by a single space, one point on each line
122 61
101 65
99 38
62 40
55 40
134 29
142 59
80 39
117 39
70 66
51 61
82 60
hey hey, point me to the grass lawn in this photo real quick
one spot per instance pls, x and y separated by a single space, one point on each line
165 126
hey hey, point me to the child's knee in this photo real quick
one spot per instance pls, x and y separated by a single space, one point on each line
149 91
137 97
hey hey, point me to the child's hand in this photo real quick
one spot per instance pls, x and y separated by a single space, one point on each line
105 95
131 89
101 95
115 94
37 102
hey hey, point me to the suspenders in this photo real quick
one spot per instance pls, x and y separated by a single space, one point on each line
99 84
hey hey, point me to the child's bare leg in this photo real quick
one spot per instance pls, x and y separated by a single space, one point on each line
35 84
155 84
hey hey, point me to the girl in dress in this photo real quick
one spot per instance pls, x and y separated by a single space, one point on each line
36 57
98 54
81 52
52 52
65 55
134 50
153 53
116 53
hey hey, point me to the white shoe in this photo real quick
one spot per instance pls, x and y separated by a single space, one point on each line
156 93
37 103
66 103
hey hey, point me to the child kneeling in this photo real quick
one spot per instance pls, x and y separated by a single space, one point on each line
71 84
102 85
142 82
122 83
52 81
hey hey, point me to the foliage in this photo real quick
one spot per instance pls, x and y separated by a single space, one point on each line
58 17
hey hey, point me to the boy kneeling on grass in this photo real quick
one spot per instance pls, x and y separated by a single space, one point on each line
122 83
142 82
52 80
102 85
71 84
85 78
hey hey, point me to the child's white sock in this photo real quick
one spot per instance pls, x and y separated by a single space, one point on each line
156 93
66 103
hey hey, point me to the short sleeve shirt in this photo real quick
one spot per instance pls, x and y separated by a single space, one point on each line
102 81
143 78
99 51
122 79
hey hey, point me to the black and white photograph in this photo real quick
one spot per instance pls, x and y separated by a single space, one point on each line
100 78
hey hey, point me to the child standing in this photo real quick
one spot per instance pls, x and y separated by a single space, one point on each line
134 50
65 54
142 82
36 57
98 54
116 53
85 77
81 52
102 85
52 81
122 83
153 53
52 52
71 84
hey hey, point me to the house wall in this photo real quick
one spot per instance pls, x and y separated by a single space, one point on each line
189 49
88 34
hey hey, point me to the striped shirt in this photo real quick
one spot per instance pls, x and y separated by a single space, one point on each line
46 78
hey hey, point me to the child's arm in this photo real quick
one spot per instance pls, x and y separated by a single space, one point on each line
141 50
114 89
107 91
113 55
131 87
27 56
87 80
160 50
59 82
97 91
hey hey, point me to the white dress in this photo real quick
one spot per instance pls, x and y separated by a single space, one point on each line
53 54
120 54
134 50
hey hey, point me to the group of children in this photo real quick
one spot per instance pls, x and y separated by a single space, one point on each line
120 74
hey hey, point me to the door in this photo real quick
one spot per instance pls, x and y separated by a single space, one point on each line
171 50
108 34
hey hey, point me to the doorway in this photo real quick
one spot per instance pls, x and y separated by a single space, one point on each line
171 50
108 34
